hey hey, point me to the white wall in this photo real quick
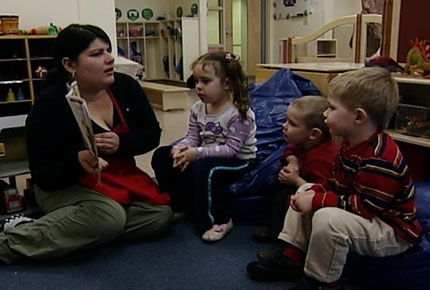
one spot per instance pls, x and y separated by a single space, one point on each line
167 8
33 13
320 13
158 7
163 8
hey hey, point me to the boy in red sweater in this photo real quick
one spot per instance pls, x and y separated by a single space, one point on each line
309 157
367 206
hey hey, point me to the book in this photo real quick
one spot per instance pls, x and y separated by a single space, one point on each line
80 111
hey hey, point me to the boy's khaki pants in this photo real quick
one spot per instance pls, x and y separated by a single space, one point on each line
80 217
330 233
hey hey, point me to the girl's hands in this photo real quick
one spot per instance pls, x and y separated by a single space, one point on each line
183 156
90 163
107 143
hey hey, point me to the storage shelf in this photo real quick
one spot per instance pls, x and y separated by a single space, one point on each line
12 59
41 58
412 80
326 55
12 102
420 141
11 82
159 52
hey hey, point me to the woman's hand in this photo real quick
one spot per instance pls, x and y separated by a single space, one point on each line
90 163
107 143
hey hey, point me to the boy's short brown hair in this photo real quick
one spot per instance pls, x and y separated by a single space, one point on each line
372 89
312 108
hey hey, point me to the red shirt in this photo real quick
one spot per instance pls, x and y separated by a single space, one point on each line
317 163
372 179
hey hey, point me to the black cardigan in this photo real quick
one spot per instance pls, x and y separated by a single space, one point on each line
54 139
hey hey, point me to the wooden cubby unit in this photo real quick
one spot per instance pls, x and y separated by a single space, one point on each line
160 45
414 91
20 56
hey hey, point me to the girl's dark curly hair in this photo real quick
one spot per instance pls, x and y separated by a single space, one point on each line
227 67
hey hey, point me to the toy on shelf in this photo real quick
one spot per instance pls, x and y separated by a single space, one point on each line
385 62
45 30
40 72
418 59
136 31
20 95
10 96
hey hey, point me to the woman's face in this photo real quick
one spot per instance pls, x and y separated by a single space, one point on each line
94 66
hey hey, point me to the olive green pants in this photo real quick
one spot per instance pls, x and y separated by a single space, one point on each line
79 217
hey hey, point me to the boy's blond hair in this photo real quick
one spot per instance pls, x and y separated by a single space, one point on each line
312 109
372 89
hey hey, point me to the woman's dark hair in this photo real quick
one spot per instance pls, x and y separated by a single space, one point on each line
70 42
227 67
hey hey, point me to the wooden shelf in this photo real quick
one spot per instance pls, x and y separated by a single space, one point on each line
12 102
412 80
420 141
12 59
11 82
41 58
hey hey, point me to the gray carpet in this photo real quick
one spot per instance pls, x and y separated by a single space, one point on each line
180 260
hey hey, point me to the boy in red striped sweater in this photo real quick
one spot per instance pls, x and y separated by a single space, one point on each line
367 206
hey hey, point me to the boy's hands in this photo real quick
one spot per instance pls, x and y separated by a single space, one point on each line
183 156
288 177
302 201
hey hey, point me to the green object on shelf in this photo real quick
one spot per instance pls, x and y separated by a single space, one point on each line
194 9
179 12
118 13
52 29
147 13
132 14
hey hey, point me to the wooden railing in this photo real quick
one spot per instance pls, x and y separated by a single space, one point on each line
360 21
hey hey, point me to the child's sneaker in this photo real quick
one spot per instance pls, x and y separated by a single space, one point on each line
217 232
13 221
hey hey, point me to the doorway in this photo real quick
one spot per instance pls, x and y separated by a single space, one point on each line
235 25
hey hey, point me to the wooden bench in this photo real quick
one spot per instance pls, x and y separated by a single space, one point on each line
165 97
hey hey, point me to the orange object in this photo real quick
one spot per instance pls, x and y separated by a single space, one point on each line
40 30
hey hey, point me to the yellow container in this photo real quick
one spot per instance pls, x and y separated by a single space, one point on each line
9 24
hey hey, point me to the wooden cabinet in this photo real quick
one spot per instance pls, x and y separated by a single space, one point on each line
414 92
166 49
141 42
24 61
182 47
